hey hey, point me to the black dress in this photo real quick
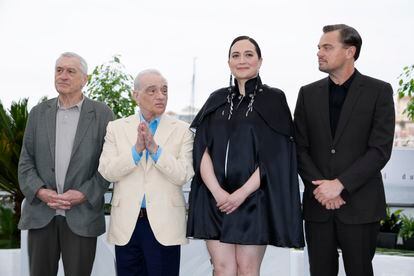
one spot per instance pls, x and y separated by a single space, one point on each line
243 134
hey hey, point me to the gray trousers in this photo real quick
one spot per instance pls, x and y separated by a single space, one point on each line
45 245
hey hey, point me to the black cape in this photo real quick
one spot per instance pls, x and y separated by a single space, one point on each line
264 139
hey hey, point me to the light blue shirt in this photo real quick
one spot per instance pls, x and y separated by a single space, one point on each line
137 156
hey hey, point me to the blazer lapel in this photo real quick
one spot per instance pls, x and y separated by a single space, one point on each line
350 100
86 116
51 126
324 106
131 130
164 130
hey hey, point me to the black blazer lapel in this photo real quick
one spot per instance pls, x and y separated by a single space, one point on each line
350 100
86 116
323 102
50 118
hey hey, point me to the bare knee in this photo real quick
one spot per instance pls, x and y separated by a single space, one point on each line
224 268
223 258
249 259
248 269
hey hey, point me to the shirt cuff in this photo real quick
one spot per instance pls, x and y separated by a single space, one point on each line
135 155
156 155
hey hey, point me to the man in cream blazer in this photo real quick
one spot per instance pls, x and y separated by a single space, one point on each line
148 157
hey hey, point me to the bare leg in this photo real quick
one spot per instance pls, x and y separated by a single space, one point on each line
223 256
249 258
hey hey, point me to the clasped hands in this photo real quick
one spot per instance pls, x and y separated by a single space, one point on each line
328 193
228 203
145 139
63 201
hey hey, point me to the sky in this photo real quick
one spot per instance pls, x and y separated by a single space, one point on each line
169 35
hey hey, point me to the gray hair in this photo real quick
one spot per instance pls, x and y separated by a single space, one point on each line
137 81
82 61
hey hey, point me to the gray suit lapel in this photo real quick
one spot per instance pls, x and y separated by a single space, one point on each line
50 116
350 100
86 116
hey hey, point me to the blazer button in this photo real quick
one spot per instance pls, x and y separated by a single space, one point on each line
333 151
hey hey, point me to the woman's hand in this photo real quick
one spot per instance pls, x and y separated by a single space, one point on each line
233 201
220 196
239 196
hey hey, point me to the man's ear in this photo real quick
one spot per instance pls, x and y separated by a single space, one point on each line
135 96
85 80
351 51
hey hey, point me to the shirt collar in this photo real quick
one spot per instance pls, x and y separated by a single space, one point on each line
346 84
250 85
78 105
156 119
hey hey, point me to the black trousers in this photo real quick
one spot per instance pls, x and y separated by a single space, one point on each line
356 241
45 245
143 255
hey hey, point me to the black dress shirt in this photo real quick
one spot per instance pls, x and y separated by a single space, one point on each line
337 95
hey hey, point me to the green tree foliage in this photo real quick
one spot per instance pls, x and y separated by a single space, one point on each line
9 234
392 221
109 83
407 229
12 126
406 88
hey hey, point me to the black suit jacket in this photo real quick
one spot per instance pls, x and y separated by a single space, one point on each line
360 149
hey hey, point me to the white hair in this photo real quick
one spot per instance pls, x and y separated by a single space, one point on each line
137 81
82 61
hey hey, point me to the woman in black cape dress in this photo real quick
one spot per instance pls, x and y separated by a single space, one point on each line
242 134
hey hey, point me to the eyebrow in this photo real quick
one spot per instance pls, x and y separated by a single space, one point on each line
66 67
155 86
247 51
325 44
150 87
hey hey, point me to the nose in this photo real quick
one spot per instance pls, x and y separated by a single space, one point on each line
319 53
64 74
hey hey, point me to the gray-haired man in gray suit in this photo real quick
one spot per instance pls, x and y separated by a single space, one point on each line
58 174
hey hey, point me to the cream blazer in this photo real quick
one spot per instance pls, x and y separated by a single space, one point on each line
161 182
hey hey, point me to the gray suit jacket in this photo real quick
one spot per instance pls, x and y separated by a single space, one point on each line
37 162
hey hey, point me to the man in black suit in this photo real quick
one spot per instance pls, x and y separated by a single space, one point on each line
344 133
